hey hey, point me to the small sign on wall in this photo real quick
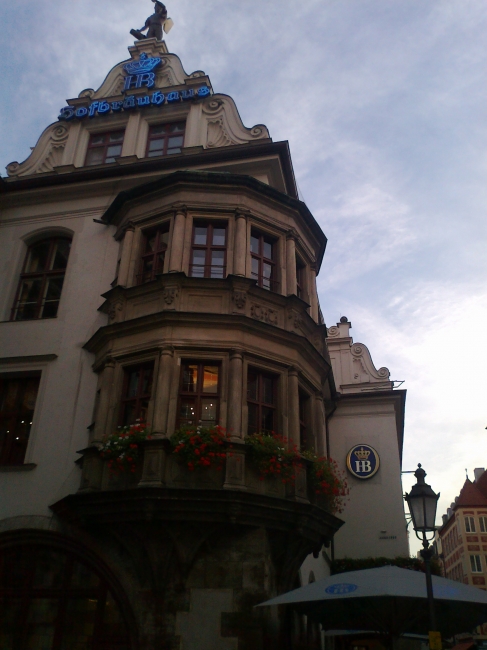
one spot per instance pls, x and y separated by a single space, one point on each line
363 461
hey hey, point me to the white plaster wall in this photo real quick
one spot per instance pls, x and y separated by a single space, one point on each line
376 504
64 408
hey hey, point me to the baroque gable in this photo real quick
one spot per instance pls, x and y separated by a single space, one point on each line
154 84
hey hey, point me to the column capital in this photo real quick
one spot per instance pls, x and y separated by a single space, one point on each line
242 214
167 351
130 227
292 234
109 363
292 371
236 354
180 208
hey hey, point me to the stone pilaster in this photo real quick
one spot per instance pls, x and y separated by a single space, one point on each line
163 388
177 242
313 295
103 410
293 407
240 250
291 277
123 272
235 395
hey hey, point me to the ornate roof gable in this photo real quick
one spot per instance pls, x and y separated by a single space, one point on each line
151 81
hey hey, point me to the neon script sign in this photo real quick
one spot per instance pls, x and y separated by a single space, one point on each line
139 75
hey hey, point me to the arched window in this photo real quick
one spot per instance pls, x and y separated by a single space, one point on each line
41 280
51 599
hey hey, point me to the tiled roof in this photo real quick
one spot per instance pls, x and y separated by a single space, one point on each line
471 495
481 484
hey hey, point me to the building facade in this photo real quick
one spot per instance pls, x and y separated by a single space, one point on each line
159 265
463 535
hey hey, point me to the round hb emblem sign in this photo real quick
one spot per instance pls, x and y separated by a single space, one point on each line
363 461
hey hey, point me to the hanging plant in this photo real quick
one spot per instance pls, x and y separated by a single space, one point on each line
272 456
200 446
121 449
328 480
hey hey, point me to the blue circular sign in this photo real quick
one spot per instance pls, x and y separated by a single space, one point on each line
363 461
341 588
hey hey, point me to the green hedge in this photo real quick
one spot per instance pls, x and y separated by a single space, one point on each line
413 563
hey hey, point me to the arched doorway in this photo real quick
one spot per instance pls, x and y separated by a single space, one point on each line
52 598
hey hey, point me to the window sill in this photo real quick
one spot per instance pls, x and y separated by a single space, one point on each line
28 467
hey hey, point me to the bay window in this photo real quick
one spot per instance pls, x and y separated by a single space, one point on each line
209 250
199 394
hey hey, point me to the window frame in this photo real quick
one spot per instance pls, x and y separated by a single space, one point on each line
198 395
301 289
124 401
259 403
469 524
261 260
304 427
43 275
209 248
105 145
166 136
7 457
483 523
157 269
475 564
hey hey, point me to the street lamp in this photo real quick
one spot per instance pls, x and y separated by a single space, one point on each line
422 502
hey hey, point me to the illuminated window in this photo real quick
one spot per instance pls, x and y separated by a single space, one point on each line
152 260
17 403
165 139
475 564
199 394
209 252
52 600
261 401
263 253
104 148
469 524
137 394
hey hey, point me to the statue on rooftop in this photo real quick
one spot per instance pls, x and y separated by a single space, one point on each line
156 24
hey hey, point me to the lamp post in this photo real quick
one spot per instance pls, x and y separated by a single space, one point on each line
422 502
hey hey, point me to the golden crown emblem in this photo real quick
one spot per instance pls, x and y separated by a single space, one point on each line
362 454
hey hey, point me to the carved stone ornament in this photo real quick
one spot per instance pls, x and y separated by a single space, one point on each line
170 294
115 310
264 314
297 320
333 331
240 299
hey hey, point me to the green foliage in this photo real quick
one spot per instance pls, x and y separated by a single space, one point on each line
272 457
413 563
121 449
200 446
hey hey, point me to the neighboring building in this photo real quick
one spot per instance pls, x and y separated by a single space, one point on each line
463 536
151 193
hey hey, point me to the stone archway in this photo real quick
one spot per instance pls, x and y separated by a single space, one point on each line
56 595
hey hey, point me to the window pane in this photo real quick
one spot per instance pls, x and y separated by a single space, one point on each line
133 384
173 151
116 137
95 156
113 151
40 623
175 141
153 154
53 295
199 259
268 250
187 411
210 379
129 411
252 385
157 130
97 139
267 422
156 145
49 569
146 388
174 128
79 624
208 411
254 245
190 378
164 237
267 390
29 296
253 418
147 269
219 236
200 235
217 264
255 268
61 254
160 262
267 270
38 257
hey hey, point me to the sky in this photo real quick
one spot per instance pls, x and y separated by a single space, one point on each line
384 106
